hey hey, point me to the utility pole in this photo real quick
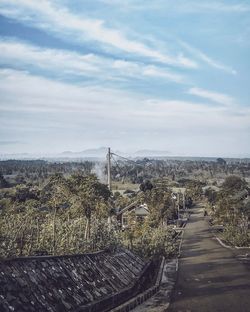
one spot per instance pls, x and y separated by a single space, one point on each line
109 168
184 201
109 181
178 205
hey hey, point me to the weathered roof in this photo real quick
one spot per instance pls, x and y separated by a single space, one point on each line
178 189
213 187
141 211
66 283
132 205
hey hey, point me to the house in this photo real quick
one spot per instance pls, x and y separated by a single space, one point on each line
242 195
132 213
210 187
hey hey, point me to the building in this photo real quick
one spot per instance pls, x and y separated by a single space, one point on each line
132 214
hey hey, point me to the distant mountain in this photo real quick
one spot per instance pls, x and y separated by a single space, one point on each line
67 153
99 153
17 156
94 152
151 153
88 153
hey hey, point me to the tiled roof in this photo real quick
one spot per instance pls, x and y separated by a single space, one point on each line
65 283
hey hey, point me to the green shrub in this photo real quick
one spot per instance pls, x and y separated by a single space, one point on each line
155 242
235 236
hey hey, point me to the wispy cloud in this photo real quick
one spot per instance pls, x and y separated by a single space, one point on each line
65 62
180 6
59 19
218 6
18 88
55 116
14 53
88 74
50 16
153 71
143 71
212 96
207 59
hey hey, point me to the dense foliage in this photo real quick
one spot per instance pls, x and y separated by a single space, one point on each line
230 207
72 215
53 219
62 207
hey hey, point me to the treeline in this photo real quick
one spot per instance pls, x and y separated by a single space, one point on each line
176 170
38 171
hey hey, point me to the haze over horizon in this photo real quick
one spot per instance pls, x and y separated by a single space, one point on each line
132 75
101 153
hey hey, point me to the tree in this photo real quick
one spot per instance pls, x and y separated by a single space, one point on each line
25 192
194 189
211 195
3 182
221 161
146 186
88 194
58 192
233 184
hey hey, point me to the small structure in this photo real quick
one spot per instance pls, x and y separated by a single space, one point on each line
210 187
134 212
242 195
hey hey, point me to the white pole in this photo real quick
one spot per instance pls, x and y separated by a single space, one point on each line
109 168
109 180
184 202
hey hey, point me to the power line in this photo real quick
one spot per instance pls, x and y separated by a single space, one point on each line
116 162
132 161
140 165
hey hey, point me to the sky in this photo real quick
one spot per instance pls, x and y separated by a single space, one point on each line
130 74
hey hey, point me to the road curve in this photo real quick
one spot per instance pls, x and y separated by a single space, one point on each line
210 278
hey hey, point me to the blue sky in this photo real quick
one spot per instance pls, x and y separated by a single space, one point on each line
162 74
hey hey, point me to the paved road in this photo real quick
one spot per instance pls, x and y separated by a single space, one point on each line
210 278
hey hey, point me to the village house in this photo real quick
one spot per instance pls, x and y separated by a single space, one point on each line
132 214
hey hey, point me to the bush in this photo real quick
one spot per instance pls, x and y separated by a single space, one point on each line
102 237
155 242
235 236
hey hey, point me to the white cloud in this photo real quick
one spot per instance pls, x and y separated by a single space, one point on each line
213 96
126 66
24 92
64 62
138 70
46 15
208 60
21 53
53 17
54 116
152 71
218 6
181 6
